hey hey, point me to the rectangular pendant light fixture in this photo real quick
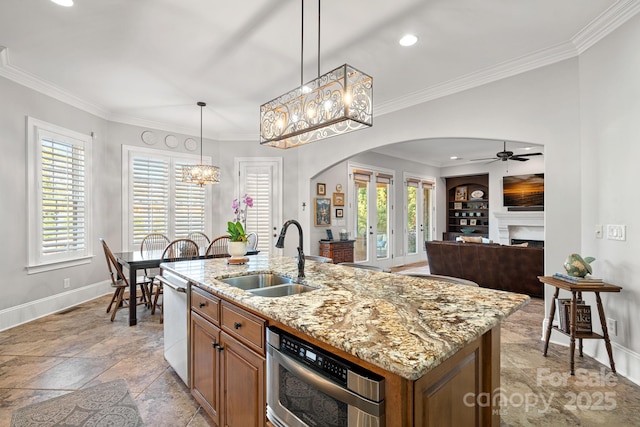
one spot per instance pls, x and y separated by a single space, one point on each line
335 103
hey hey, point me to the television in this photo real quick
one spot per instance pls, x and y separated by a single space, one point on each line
523 191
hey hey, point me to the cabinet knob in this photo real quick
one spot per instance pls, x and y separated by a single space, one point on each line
237 325
214 344
203 304
219 348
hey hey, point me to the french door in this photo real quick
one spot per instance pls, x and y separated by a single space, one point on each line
419 224
372 213
261 179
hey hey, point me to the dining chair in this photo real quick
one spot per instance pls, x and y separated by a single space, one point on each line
151 245
200 238
177 250
218 247
252 241
119 282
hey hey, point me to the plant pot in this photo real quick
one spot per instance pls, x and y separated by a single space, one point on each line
237 249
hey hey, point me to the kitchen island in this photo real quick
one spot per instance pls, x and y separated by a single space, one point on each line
436 344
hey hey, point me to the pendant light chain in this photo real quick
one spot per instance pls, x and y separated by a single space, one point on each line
318 38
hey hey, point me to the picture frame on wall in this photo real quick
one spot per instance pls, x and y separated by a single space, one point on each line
338 199
339 213
461 193
321 189
322 211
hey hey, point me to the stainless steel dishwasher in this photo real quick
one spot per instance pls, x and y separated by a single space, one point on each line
175 299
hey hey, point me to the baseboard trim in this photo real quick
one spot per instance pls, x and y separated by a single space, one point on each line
32 310
627 361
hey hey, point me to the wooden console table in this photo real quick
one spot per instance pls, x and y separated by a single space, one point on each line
576 293
338 250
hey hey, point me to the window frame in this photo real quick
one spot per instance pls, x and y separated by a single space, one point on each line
38 261
127 224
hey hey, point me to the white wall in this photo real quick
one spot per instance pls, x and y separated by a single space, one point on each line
610 108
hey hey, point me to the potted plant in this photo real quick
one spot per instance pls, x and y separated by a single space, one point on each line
236 228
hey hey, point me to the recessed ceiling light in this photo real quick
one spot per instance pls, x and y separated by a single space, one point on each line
408 40
65 3
455 158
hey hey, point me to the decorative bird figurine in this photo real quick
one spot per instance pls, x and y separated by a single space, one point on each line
577 266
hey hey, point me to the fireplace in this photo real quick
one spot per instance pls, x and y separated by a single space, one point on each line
522 226
530 243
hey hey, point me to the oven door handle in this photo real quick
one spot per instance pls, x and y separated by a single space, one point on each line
326 386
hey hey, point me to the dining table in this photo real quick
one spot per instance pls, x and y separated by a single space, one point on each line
140 260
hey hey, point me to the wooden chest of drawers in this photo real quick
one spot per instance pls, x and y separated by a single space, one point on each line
338 250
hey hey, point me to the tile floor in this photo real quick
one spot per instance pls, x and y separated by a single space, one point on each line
80 347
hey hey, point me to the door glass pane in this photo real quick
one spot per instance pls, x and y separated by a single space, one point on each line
382 227
361 220
412 218
426 213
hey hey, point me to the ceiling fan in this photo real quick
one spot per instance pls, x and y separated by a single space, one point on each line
505 155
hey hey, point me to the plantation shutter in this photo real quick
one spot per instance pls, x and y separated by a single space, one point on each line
150 192
64 210
189 204
257 184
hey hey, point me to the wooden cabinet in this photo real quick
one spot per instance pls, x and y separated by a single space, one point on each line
338 250
205 378
227 361
242 379
467 206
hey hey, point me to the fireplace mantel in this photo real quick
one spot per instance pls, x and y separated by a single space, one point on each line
522 225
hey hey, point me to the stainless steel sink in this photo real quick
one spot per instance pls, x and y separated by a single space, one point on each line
256 281
282 290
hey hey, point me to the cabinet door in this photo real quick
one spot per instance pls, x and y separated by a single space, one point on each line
205 362
242 377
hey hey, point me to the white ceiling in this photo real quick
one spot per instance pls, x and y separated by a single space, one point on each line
147 62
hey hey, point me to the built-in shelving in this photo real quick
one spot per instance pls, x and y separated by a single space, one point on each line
467 206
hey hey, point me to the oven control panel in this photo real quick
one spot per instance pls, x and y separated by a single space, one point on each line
314 357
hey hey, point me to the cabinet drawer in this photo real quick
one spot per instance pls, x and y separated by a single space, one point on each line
205 305
244 326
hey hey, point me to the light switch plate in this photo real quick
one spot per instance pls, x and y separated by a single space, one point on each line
616 232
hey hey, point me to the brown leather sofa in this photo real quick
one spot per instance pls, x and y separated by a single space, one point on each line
506 268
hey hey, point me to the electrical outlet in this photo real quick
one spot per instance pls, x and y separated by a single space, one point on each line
66 283
612 327
616 232
598 230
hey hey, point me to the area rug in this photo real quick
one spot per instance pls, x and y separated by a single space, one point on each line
107 404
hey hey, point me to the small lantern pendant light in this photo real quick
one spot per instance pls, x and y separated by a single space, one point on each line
201 174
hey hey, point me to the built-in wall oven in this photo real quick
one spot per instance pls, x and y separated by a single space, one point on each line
308 386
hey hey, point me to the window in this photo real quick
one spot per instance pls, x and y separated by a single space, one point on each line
419 211
59 183
157 201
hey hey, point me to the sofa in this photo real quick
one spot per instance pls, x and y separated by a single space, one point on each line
506 268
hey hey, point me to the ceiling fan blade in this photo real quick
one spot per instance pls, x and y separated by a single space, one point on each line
518 159
487 158
527 155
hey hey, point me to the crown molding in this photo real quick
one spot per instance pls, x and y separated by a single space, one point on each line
501 71
596 30
606 23
38 84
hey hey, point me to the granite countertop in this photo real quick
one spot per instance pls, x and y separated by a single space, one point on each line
402 324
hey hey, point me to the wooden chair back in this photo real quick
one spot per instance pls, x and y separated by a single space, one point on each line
181 249
115 272
154 242
219 247
200 238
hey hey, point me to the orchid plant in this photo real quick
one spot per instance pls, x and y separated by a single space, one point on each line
236 228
